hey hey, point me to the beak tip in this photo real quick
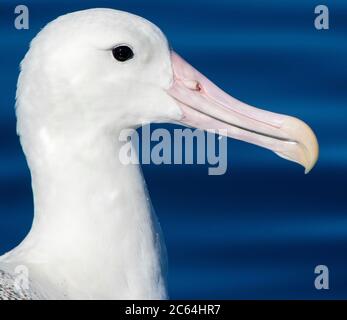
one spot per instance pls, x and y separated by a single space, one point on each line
308 169
312 163
312 149
305 150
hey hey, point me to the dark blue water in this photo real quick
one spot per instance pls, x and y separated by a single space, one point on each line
259 230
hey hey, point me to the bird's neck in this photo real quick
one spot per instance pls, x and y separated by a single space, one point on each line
93 234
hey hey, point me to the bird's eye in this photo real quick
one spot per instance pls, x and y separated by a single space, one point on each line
122 53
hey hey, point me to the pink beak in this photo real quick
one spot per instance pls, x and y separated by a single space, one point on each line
207 107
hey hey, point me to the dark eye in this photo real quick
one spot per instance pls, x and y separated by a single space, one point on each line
122 53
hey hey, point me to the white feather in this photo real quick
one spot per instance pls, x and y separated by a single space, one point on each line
93 235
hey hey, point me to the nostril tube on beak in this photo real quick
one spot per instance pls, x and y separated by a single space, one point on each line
192 85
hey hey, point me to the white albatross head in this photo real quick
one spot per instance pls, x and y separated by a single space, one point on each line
101 69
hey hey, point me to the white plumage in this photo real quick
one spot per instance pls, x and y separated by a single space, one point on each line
93 234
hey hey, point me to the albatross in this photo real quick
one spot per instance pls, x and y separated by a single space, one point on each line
87 76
